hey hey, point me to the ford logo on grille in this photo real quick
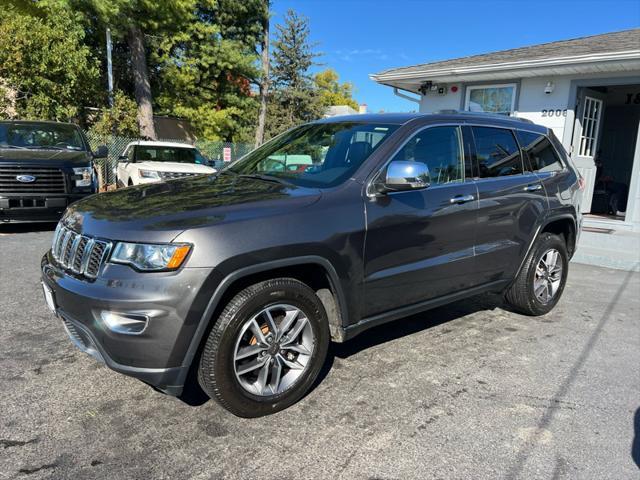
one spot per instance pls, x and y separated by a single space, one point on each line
26 178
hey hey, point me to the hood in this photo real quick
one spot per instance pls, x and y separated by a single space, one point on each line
179 167
54 158
158 212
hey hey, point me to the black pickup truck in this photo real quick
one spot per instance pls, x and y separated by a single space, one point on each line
44 167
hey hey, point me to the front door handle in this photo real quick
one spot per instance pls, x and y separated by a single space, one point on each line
462 199
533 187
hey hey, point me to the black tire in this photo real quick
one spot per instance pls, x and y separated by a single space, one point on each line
521 295
130 184
216 373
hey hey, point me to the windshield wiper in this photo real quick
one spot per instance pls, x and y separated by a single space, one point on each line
17 147
264 177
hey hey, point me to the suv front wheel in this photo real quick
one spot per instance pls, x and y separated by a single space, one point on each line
540 283
266 349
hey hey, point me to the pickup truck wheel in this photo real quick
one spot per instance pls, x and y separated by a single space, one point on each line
266 349
540 283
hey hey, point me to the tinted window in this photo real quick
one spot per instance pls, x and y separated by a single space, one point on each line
439 148
167 154
315 155
538 149
50 136
497 152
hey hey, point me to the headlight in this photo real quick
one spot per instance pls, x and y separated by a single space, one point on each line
149 174
83 176
148 257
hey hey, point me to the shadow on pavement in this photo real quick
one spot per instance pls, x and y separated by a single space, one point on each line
194 396
635 446
415 323
547 418
8 228
406 326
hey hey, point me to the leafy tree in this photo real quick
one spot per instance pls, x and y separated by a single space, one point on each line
46 70
119 119
206 69
332 92
133 21
294 99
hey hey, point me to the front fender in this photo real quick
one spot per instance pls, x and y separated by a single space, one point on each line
224 283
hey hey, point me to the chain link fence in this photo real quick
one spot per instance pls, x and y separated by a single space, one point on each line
116 144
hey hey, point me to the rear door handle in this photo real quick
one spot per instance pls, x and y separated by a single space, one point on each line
462 199
533 187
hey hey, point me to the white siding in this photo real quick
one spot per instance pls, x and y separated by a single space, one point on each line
432 102
533 101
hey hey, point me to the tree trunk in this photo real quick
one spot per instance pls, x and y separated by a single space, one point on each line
141 82
264 82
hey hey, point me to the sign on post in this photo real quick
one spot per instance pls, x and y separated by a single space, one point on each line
226 154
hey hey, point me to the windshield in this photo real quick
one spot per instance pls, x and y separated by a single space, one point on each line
315 155
50 136
153 153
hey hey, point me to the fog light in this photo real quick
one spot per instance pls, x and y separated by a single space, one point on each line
126 323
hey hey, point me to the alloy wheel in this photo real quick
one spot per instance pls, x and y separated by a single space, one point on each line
548 276
273 350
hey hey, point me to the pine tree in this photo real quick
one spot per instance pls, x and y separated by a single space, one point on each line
293 99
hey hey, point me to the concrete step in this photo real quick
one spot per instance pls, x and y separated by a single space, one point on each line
618 249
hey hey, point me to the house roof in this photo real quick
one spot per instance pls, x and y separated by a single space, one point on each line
579 52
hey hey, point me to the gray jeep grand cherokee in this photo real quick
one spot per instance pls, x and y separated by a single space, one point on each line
243 277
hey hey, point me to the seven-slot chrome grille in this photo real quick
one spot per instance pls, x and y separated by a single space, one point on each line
78 253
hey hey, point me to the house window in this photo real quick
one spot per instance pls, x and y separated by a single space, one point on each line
491 98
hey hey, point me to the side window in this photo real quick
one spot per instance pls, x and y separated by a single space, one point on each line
440 148
131 153
497 152
538 149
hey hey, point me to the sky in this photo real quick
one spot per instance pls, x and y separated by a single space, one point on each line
360 37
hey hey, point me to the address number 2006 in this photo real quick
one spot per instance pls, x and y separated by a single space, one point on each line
554 113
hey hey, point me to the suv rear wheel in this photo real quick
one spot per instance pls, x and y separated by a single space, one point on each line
266 349
540 283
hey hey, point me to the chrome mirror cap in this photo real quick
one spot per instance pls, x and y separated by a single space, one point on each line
403 175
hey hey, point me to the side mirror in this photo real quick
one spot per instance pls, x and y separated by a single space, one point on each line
101 152
123 158
406 176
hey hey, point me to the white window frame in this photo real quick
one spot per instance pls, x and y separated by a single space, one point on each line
496 85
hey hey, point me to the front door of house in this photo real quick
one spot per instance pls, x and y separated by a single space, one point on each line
585 139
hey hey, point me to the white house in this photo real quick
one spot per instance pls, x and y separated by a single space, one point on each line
586 89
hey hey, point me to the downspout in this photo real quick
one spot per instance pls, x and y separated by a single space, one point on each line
406 97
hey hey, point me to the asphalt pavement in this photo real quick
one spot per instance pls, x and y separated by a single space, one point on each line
466 391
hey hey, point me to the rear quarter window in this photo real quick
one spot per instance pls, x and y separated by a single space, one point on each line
539 152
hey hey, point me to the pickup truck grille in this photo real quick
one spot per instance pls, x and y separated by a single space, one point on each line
78 253
46 180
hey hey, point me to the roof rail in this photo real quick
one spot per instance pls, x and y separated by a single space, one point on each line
481 114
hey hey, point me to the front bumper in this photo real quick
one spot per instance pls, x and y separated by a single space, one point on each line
174 303
35 208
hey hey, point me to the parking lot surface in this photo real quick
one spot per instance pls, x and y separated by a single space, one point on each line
469 390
